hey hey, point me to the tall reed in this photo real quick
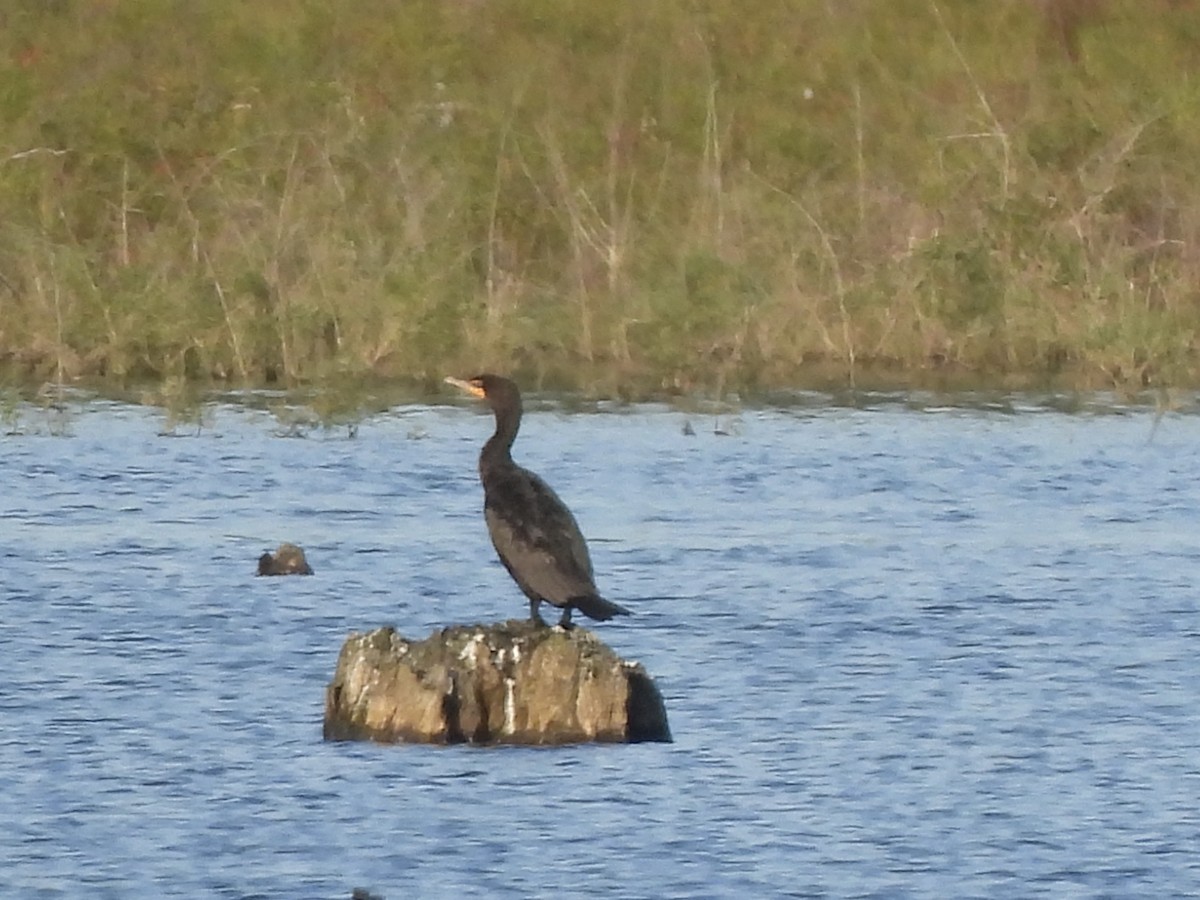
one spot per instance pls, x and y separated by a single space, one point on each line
644 196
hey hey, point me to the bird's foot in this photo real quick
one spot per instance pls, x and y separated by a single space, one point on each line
535 616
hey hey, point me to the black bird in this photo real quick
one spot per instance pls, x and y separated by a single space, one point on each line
534 533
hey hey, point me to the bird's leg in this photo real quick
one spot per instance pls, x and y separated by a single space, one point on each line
534 615
565 621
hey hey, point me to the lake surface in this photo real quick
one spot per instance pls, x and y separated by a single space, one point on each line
907 650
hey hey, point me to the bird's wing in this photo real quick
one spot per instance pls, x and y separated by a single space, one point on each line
539 540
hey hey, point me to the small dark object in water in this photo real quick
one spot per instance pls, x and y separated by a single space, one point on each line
534 533
288 560
364 894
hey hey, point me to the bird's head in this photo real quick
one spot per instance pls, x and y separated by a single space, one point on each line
495 389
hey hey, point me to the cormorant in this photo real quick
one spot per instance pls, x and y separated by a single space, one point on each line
534 533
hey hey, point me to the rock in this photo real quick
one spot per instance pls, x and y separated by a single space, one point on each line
288 560
509 683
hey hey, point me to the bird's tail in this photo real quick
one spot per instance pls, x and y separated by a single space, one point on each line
598 608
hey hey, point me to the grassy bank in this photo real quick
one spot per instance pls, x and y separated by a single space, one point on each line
638 196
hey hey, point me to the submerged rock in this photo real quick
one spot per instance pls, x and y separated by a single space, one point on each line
509 683
288 560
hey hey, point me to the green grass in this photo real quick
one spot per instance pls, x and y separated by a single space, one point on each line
626 198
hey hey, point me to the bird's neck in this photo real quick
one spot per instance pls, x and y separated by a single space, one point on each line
498 449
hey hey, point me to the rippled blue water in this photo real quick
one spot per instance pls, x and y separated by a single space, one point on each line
907 651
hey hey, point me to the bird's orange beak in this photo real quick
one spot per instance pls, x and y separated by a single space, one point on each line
470 387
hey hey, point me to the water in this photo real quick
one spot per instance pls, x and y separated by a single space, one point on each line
906 651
